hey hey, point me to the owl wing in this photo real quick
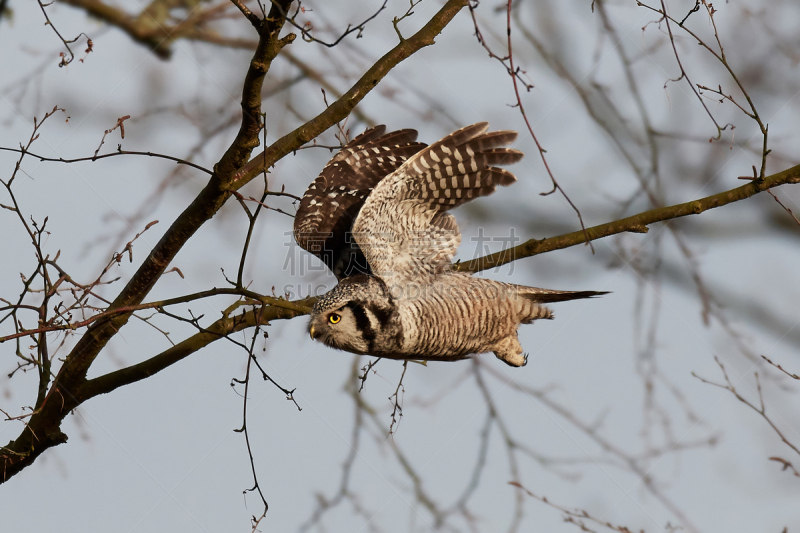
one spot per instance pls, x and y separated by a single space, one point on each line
404 229
330 204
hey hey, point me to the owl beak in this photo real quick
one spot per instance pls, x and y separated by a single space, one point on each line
311 332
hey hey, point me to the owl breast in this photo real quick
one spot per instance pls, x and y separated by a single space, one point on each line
455 316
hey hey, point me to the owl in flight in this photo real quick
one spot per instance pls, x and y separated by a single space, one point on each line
378 217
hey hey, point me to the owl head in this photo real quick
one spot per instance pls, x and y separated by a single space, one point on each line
353 314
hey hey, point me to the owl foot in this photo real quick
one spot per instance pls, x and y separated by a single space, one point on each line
509 351
516 360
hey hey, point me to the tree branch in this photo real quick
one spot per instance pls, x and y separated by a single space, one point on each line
218 330
67 390
269 46
636 223
158 305
342 107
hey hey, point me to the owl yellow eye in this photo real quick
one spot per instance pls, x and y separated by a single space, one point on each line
334 318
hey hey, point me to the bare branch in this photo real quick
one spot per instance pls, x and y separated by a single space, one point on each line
779 367
633 223
64 60
760 409
516 75
119 152
229 174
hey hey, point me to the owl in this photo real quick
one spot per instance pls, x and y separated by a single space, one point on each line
378 217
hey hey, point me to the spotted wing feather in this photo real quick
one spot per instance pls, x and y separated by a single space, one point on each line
403 228
330 204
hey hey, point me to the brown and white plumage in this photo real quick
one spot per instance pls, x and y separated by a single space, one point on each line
408 303
332 201
404 229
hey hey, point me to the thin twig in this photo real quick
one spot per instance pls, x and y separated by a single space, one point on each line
119 152
760 409
514 73
64 61
397 407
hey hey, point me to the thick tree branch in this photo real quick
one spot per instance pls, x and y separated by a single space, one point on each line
157 39
218 330
158 305
268 48
151 27
67 392
342 107
43 428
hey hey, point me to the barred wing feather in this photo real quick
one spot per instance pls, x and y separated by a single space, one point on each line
403 227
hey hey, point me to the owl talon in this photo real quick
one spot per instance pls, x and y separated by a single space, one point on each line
525 359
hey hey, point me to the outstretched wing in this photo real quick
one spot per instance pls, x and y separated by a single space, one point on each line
403 227
330 204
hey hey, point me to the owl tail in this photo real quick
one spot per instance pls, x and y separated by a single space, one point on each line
535 294
530 306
